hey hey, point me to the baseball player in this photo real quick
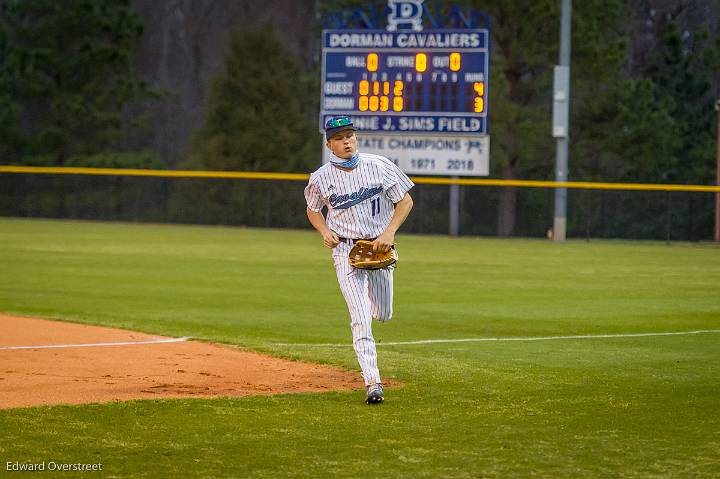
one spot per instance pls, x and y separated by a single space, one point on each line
366 197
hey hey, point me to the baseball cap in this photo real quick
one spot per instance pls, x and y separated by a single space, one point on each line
336 124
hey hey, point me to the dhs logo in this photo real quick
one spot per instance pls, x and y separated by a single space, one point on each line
405 12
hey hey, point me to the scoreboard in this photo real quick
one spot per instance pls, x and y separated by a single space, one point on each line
427 82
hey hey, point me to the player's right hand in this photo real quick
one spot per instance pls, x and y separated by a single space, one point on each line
330 239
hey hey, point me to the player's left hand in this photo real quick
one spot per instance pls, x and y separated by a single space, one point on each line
384 242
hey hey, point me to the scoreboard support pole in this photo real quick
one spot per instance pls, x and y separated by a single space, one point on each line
454 208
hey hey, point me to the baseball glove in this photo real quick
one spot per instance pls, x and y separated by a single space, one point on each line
362 256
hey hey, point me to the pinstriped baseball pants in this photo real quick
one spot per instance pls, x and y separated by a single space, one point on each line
369 295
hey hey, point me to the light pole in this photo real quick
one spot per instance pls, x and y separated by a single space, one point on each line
717 175
561 120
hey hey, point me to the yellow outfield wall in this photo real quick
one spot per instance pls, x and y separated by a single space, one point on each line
256 175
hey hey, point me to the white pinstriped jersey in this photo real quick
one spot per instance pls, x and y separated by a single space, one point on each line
360 202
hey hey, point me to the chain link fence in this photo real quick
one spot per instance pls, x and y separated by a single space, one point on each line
638 215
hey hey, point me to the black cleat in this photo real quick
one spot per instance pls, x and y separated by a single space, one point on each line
374 394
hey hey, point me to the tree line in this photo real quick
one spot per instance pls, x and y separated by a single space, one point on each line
68 87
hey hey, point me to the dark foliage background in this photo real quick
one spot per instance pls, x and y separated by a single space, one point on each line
228 85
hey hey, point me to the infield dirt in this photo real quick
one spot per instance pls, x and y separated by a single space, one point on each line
77 375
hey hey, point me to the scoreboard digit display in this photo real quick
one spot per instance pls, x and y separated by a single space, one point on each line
433 81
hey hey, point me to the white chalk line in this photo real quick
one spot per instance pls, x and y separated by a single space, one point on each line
521 338
92 345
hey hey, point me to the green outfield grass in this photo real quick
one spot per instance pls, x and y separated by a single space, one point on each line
612 407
